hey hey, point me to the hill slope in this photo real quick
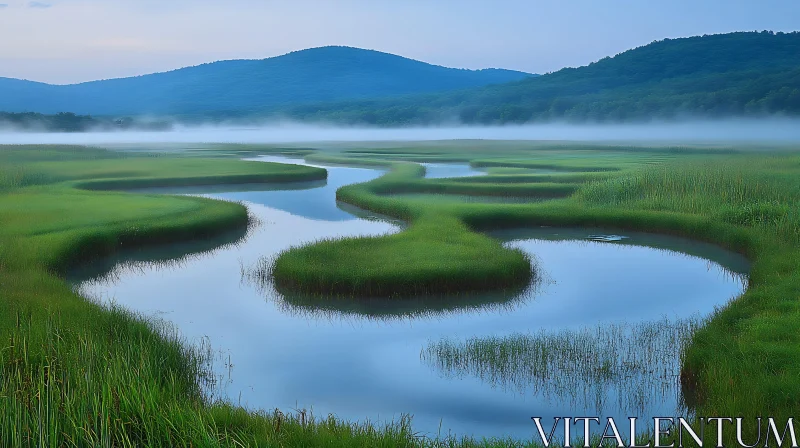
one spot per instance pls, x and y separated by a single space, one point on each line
735 74
241 86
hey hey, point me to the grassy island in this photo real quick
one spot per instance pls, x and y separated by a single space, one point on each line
75 373
746 200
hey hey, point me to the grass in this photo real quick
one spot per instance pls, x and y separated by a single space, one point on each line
500 189
73 373
747 346
635 364
443 197
434 256
747 201
77 374
437 254
382 309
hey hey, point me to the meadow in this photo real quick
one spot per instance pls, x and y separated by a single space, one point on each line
75 373
747 201
439 253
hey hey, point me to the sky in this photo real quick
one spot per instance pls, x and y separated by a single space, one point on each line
68 41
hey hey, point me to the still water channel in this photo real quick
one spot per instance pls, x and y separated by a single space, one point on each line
373 360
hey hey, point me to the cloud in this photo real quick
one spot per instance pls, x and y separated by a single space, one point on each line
39 5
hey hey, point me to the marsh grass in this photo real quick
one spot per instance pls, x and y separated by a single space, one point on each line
525 177
533 190
466 198
77 374
564 165
356 308
747 201
756 192
623 366
437 254
432 257
97 378
112 269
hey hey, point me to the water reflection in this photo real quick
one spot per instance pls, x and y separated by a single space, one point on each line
315 202
444 170
140 260
383 309
730 264
622 366
361 359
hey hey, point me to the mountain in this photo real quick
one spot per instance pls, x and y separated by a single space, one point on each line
239 87
723 75
734 74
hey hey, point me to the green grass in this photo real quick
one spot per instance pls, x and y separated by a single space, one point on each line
469 198
73 373
78 374
635 364
746 201
438 253
435 255
458 186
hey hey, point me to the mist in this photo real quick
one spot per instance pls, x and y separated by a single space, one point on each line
775 130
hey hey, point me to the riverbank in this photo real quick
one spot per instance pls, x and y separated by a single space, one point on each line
75 372
749 203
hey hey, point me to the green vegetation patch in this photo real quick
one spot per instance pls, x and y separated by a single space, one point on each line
724 75
436 255
745 201
636 363
465 198
74 373
440 253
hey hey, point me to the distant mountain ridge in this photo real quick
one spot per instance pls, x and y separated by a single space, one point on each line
239 87
742 74
722 75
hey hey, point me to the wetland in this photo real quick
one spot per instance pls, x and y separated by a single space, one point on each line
377 359
543 279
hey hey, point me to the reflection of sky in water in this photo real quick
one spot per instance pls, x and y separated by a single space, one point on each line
317 204
440 170
362 368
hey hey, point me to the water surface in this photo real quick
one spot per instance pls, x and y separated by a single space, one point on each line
365 359
444 170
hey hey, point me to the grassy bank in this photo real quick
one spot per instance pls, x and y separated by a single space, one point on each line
436 255
78 374
74 373
747 202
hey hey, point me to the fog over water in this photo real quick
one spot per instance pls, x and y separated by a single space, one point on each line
764 130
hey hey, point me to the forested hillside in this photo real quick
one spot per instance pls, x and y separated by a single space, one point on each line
736 74
241 87
744 74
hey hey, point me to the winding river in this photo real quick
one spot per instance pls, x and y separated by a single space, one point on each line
374 360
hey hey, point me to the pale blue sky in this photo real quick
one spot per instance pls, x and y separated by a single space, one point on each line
64 41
